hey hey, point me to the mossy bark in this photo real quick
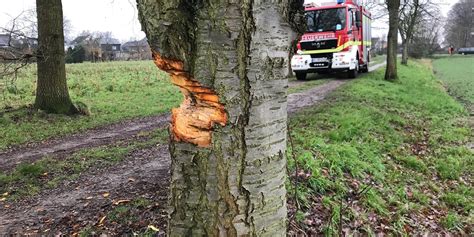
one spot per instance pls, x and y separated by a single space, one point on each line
234 186
51 91
392 40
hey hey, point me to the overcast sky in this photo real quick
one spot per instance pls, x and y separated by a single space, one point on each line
117 16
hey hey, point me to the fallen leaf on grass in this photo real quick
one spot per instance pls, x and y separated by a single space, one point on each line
88 198
5 194
105 195
3 199
131 180
121 201
153 228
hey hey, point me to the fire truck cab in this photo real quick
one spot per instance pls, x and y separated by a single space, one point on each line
337 38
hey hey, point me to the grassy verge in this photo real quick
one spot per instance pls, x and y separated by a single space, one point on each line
457 73
113 91
386 157
378 59
48 172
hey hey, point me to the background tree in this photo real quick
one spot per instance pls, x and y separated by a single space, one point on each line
229 59
76 54
51 92
427 35
459 30
393 7
410 16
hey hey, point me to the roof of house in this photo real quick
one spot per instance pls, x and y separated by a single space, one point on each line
109 41
142 43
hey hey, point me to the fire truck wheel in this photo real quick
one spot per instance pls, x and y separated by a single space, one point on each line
364 69
300 76
353 73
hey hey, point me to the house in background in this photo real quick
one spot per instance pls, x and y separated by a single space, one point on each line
136 50
111 49
17 47
4 39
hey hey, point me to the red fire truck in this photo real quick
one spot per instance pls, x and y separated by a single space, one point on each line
337 38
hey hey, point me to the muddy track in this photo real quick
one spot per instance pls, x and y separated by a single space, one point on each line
68 144
74 205
80 203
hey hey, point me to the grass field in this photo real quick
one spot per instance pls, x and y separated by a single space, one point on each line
113 91
457 73
386 157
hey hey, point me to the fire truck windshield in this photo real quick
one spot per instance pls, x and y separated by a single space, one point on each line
326 19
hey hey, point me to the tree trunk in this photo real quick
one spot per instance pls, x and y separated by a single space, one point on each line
228 137
405 52
51 92
392 40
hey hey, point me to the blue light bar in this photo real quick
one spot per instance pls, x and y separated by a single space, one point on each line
340 1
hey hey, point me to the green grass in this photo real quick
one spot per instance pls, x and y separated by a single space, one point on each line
113 91
48 172
457 73
407 138
378 59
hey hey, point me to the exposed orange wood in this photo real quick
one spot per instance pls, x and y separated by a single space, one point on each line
200 110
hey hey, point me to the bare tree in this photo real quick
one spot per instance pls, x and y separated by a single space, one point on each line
393 7
228 138
16 51
426 39
52 94
410 16
459 30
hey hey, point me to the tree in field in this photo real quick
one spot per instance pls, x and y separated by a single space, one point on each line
392 40
51 93
417 17
459 30
427 36
228 137
410 16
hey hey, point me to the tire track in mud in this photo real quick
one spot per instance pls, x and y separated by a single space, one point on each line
76 204
80 203
69 144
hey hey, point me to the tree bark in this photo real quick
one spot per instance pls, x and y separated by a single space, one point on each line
228 137
392 40
51 92
405 52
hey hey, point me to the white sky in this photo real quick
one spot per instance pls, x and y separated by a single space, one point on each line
120 16
117 16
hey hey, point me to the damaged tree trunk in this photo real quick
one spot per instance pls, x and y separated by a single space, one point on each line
228 137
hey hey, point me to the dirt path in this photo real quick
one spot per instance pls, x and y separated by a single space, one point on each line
76 205
68 144
81 203
312 96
